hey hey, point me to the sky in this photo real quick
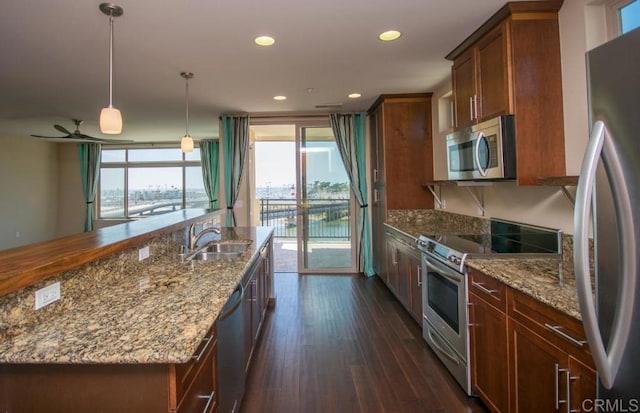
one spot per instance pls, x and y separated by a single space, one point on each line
276 165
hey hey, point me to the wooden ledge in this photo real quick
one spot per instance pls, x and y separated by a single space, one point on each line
23 266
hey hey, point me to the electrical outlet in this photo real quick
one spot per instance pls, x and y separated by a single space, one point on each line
47 295
143 253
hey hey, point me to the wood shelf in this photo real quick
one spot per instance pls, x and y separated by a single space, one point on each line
563 182
557 181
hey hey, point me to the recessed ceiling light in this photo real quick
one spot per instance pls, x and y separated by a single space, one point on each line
354 95
264 40
389 35
280 97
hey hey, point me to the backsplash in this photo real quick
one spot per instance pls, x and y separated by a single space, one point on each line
436 220
443 220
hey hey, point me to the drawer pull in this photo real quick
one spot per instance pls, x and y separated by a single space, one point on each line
558 331
482 288
204 349
210 399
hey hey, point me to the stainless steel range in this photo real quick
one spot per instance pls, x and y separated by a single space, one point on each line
445 291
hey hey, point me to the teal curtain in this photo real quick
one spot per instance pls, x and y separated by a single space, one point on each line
209 154
89 171
349 132
235 146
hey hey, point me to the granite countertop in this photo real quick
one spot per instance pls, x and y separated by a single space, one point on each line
536 277
156 315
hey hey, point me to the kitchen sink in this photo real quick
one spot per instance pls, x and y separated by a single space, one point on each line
217 250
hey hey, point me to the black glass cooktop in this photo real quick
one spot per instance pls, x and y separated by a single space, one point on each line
505 238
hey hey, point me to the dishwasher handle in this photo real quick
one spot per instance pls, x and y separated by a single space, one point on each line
225 314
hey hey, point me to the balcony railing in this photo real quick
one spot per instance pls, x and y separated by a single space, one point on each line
328 219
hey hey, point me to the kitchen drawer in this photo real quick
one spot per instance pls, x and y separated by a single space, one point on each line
186 372
563 331
489 289
200 394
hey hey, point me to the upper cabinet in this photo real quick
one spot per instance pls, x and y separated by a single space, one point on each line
511 65
401 150
480 79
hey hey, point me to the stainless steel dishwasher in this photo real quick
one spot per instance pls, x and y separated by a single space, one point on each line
230 363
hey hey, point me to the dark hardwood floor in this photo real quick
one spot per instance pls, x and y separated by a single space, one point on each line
344 344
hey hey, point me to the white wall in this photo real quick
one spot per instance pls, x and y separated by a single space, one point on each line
581 28
71 210
28 191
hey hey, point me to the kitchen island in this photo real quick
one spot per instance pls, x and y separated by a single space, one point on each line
131 328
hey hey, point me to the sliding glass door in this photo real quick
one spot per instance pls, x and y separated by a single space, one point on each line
325 207
302 190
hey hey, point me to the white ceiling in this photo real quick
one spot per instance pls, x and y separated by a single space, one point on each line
55 59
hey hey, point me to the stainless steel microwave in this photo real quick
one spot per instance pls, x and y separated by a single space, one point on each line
484 151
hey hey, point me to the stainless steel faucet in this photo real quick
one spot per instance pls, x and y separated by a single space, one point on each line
194 238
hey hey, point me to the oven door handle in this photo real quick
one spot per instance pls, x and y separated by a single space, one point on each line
441 349
444 271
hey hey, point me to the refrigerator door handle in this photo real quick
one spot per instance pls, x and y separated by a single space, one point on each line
607 363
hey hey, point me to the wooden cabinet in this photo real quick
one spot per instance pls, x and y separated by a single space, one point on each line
404 271
401 161
511 65
258 287
488 338
480 80
186 387
525 355
544 340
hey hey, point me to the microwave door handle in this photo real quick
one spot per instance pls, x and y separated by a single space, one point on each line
479 137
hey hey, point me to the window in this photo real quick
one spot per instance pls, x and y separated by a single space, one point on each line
630 16
139 182
623 16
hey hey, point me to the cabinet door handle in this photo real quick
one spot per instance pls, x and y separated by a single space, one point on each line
568 395
558 331
419 267
482 288
470 107
475 107
375 175
204 349
376 196
210 399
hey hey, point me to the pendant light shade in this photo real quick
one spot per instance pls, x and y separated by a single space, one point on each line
186 143
110 117
110 121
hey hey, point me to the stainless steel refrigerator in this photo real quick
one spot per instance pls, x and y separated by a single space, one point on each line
609 192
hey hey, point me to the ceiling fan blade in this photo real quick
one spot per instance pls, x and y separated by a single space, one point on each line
88 138
108 141
49 137
62 129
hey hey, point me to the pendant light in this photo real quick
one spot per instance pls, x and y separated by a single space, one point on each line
186 144
110 117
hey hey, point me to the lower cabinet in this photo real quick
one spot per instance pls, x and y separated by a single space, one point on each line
187 387
404 272
525 355
258 284
489 354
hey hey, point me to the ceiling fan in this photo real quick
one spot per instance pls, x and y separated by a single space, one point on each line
77 136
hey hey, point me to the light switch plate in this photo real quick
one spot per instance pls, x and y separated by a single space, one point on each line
143 253
47 295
